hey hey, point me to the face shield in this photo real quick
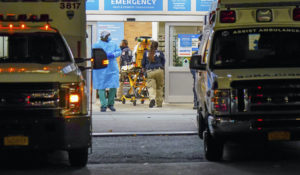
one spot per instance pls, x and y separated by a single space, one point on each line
104 34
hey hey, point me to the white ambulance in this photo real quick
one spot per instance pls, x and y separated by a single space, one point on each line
249 73
43 92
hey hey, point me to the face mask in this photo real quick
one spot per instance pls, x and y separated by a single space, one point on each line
109 39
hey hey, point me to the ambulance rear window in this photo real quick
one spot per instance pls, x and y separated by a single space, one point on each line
37 47
256 47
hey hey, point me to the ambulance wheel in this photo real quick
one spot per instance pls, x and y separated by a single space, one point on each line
78 157
142 101
213 148
134 103
200 124
123 100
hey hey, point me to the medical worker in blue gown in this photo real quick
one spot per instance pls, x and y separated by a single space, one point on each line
107 77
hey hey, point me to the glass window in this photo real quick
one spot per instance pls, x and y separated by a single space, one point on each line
184 42
32 48
256 47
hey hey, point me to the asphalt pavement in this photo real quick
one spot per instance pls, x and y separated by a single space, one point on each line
172 118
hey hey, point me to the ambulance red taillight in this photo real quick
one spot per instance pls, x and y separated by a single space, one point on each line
296 14
227 16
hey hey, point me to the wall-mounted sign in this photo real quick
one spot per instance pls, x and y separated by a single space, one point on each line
187 44
116 30
133 5
179 5
92 4
204 5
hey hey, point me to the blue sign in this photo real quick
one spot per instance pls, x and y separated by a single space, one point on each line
204 5
92 4
185 40
133 5
179 5
116 30
187 44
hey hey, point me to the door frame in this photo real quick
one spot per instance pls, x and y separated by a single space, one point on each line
169 60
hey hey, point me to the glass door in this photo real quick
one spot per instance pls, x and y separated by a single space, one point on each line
181 42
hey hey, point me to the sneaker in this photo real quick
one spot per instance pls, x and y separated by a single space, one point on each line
103 109
112 108
152 103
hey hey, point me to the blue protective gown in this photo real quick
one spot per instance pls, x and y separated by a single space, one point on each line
107 77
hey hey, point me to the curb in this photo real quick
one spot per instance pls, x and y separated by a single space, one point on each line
162 133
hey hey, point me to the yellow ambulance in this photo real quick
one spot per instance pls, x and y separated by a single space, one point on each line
248 81
43 92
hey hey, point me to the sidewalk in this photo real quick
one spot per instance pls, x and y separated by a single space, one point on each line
142 120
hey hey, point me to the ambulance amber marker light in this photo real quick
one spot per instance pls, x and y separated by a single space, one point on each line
46 26
23 26
11 26
105 62
11 69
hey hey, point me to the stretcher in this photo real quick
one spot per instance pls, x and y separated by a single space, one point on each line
136 79
137 86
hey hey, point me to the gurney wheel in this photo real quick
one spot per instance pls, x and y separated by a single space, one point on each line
123 101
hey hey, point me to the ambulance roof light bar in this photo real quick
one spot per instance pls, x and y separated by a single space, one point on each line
22 17
264 15
1 17
25 18
227 16
296 14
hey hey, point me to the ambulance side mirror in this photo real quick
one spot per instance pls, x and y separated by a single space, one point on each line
99 60
83 68
195 63
81 60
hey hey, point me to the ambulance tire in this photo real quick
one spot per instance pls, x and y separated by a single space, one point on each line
213 148
123 100
78 157
134 103
200 124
